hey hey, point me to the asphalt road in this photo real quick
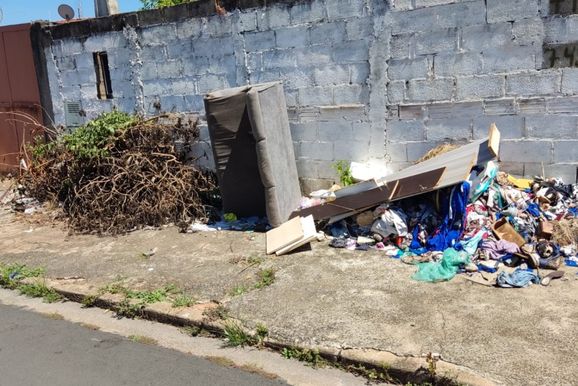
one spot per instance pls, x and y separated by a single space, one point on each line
38 350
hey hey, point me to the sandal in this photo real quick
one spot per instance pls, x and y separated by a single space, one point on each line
549 277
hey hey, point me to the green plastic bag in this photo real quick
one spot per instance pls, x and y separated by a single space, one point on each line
444 270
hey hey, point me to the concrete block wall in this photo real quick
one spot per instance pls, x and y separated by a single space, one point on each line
365 80
458 66
320 50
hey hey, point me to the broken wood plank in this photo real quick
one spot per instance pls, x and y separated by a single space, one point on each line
284 235
348 203
418 184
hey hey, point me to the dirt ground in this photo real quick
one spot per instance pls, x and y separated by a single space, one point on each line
336 298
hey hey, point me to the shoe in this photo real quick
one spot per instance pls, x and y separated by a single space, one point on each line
549 277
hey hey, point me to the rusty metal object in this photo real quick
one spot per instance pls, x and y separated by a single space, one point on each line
20 107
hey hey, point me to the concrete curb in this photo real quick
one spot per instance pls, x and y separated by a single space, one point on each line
400 367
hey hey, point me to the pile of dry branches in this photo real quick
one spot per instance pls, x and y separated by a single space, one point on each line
142 179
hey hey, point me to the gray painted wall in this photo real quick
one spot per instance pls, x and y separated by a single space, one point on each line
364 80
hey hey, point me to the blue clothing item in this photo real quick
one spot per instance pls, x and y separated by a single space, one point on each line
453 210
518 279
339 229
415 244
471 245
534 209
418 251
485 268
507 259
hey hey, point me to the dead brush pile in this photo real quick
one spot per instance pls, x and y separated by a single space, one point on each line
119 173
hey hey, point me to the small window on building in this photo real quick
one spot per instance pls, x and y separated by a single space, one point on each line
103 85
563 7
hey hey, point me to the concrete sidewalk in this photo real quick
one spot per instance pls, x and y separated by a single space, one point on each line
327 297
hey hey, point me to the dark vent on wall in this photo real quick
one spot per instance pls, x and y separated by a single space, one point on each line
72 112
560 55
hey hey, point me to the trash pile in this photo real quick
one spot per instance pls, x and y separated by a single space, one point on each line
502 222
119 173
494 228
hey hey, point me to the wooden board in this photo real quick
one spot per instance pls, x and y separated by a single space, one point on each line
418 184
348 203
309 234
494 139
284 235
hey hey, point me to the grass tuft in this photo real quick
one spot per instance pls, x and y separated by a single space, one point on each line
239 290
183 300
128 309
236 336
143 339
266 278
311 357
215 313
39 290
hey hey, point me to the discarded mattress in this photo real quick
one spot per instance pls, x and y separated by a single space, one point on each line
253 151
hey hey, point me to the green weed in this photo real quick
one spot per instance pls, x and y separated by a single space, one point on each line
262 333
191 330
39 290
12 274
183 300
255 260
215 313
235 336
373 374
114 289
344 171
127 309
311 357
148 297
431 360
143 339
266 278
90 140
89 301
134 301
239 290
154 4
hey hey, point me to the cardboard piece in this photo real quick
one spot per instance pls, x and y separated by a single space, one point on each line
494 136
545 230
284 235
309 234
505 231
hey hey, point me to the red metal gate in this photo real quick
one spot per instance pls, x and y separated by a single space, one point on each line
20 107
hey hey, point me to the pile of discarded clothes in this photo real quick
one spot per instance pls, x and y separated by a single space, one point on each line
496 229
